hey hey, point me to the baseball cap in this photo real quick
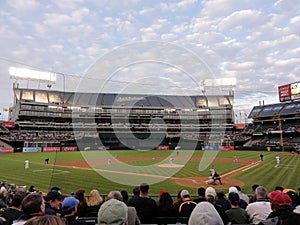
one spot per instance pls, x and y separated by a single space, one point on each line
112 212
69 203
210 191
53 195
279 198
161 192
233 189
184 193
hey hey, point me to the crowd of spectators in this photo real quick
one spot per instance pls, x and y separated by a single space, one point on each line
212 207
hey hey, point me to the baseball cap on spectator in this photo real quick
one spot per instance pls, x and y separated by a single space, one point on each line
56 188
234 198
279 198
297 210
161 192
69 203
112 212
53 195
184 193
144 187
233 189
210 191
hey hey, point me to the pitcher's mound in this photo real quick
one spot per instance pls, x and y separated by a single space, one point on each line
169 165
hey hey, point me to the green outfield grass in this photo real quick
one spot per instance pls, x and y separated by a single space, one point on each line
71 178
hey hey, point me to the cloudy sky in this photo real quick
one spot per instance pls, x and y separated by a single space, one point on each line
257 42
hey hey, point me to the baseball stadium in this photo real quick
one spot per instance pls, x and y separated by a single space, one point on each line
112 141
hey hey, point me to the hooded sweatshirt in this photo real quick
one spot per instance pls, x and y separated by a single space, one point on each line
205 214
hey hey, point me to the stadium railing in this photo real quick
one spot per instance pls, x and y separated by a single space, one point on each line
154 220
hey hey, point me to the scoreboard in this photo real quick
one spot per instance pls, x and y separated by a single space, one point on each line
289 92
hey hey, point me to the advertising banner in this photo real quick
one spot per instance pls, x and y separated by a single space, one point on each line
226 147
8 124
69 149
162 148
32 149
284 92
51 149
6 150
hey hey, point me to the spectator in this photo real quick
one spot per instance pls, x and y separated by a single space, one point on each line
281 213
179 200
93 204
166 207
297 213
14 212
112 212
222 201
236 215
252 197
53 202
145 206
259 210
3 198
210 195
32 205
45 220
132 218
205 214
201 195
242 195
125 196
242 203
187 206
135 192
82 206
69 210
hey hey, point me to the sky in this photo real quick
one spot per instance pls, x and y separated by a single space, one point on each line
149 45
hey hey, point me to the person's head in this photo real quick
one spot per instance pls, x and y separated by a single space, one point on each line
136 190
220 194
260 192
79 194
144 188
205 214
54 198
69 205
115 195
234 198
210 194
278 188
125 196
279 200
165 199
185 195
45 220
233 189
254 186
201 191
238 188
18 197
94 198
112 212
33 204
179 195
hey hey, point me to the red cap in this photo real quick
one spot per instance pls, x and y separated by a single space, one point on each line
161 192
279 198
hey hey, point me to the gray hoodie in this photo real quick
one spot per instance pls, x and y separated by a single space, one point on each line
205 214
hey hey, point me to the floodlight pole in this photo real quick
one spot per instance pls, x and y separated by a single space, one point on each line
280 130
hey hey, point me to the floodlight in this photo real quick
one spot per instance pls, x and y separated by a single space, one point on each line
27 74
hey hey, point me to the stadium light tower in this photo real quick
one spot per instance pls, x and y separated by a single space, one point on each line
35 75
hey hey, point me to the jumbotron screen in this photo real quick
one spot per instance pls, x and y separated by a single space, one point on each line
289 92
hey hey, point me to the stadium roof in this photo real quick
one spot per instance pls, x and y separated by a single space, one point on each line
109 99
